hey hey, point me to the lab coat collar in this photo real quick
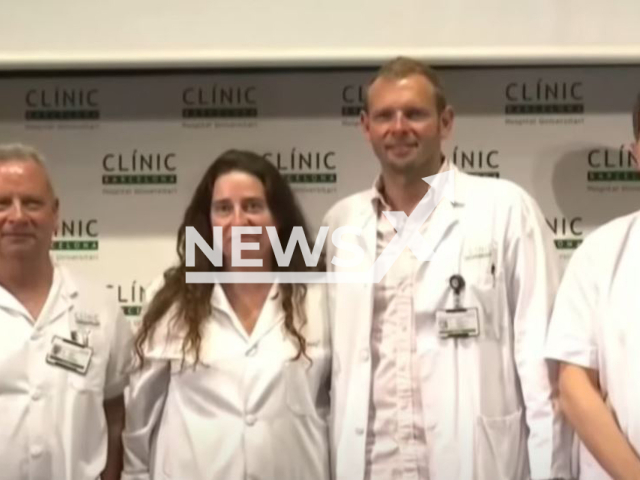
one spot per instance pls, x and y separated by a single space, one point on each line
376 194
270 316
445 215
65 296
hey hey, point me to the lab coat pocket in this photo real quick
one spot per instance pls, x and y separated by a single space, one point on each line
94 378
91 382
501 448
486 298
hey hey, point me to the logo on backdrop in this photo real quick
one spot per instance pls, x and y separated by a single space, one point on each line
76 239
130 297
220 105
308 170
484 163
62 107
611 170
568 233
139 172
544 102
353 96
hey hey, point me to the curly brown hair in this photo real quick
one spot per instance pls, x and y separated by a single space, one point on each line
190 303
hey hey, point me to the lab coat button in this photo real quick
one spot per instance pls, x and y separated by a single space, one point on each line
36 394
359 431
35 451
364 355
250 419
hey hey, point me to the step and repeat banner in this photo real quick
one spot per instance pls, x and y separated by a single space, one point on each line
127 150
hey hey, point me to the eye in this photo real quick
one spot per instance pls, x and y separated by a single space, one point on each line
5 203
382 116
222 208
254 206
32 204
416 114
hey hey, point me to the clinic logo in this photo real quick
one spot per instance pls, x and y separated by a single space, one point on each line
568 232
219 101
544 97
61 104
353 97
301 166
609 165
344 238
76 235
139 168
483 163
130 297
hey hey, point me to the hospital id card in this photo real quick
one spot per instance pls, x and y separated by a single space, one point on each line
70 355
458 323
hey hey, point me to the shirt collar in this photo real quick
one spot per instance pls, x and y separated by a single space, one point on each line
378 199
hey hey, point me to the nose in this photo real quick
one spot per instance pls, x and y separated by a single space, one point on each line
239 217
16 213
399 122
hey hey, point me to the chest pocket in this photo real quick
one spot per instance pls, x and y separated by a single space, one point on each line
481 268
93 381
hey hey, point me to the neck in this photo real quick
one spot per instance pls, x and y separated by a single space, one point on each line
247 300
403 190
246 290
26 274
29 281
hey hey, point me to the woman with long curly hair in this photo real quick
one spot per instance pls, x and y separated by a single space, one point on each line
232 381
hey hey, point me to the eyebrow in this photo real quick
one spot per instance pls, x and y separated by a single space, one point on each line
244 199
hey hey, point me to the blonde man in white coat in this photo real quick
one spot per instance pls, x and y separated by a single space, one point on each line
438 369
594 335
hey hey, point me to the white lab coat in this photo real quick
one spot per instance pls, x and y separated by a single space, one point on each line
52 421
595 324
252 413
486 400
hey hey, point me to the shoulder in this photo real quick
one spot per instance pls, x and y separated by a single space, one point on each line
350 205
167 337
500 191
94 307
604 246
86 291
499 202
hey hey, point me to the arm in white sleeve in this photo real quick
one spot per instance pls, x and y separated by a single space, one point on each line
534 278
120 355
573 341
148 391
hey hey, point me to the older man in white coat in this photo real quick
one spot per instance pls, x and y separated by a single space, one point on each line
65 349
439 369
594 335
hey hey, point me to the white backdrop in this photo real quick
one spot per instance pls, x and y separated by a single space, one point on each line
126 150
142 33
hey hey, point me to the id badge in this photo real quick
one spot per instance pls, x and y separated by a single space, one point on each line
70 355
458 323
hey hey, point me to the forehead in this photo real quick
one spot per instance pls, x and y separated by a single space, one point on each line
237 184
25 176
411 89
